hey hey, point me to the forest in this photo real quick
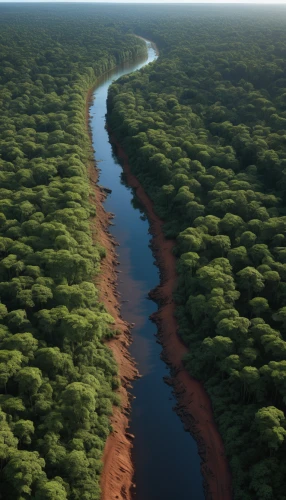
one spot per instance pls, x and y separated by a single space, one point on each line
57 376
204 129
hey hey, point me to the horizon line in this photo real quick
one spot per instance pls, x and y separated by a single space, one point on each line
161 2
193 2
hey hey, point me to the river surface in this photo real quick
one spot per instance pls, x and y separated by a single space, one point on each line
166 460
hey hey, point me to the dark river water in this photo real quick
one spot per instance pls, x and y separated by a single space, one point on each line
166 460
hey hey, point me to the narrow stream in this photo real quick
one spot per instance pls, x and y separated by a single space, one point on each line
166 460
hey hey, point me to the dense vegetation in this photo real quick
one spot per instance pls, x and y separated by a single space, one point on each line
204 128
57 378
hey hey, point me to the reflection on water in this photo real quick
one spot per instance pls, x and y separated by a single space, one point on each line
167 465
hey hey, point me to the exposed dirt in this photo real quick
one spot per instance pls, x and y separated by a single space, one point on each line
117 475
194 405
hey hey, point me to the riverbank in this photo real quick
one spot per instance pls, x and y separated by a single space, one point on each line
117 473
117 476
194 405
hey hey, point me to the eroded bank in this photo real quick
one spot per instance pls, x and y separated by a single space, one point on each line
166 459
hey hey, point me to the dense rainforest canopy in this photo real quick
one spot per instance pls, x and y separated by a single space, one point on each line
57 378
205 131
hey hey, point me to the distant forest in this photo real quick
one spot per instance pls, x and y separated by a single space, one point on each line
205 130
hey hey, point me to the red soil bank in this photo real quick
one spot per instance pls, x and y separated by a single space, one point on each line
117 474
194 405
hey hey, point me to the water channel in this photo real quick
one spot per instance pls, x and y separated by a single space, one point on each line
166 460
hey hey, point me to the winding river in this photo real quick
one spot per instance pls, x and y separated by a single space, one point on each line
166 460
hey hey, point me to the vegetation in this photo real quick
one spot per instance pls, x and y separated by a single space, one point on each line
204 128
57 378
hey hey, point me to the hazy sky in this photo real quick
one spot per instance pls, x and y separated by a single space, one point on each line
269 2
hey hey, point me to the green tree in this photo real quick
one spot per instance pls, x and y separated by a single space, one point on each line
259 305
270 423
51 490
23 471
251 280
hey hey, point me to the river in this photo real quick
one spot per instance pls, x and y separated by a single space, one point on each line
166 460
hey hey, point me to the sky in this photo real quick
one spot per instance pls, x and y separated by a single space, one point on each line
268 2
